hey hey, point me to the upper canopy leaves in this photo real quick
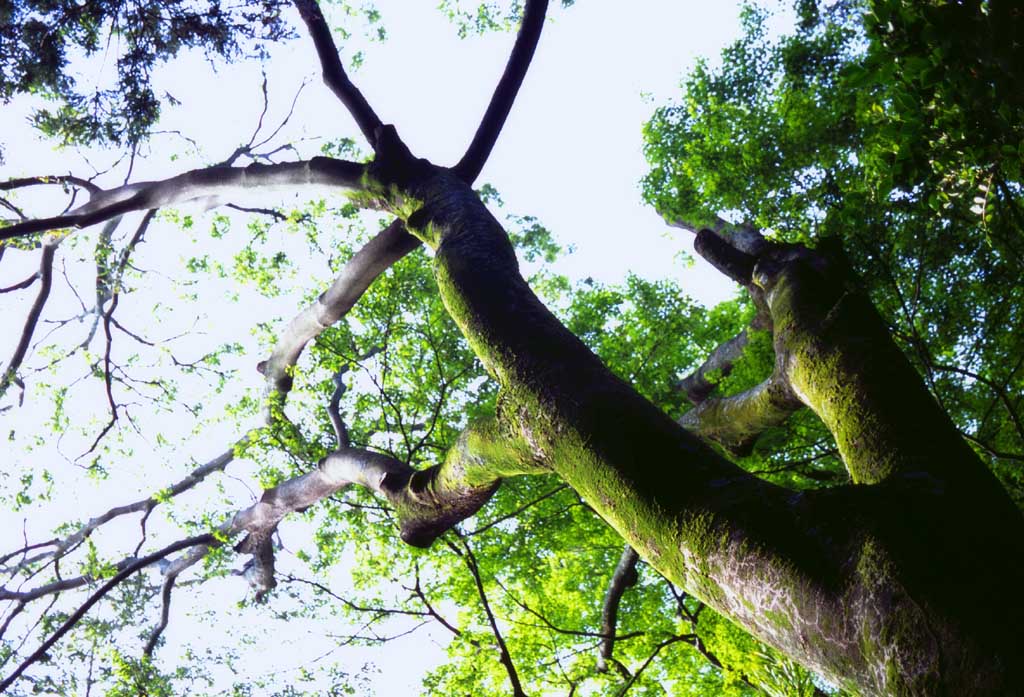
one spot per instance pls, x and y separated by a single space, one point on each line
42 40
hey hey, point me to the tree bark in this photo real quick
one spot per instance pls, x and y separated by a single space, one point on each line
904 584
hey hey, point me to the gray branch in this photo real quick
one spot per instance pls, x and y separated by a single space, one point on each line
390 245
625 576
745 238
208 183
10 374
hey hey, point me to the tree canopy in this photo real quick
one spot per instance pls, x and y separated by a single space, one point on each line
294 417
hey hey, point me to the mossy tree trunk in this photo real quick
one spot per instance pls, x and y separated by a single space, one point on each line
904 582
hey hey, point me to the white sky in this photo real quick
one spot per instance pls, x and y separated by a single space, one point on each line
570 155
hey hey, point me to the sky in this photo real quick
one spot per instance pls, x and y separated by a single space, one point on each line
570 155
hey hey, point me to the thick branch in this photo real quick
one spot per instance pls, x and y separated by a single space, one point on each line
334 73
428 502
468 168
625 576
697 385
743 237
390 245
193 185
734 263
735 422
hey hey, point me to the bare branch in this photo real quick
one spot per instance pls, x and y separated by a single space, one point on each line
999 390
21 284
625 576
190 186
45 283
689 638
517 511
165 613
468 168
418 590
270 212
334 73
506 658
696 385
61 547
340 430
23 182
76 616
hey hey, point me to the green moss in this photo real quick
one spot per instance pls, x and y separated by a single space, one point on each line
779 619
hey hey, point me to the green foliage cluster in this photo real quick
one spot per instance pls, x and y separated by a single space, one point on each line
840 130
845 130
39 39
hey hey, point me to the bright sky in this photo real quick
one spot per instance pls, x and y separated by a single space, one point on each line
570 155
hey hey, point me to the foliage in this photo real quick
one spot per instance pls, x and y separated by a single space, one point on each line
845 130
39 39
821 134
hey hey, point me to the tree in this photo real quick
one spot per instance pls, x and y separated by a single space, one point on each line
901 581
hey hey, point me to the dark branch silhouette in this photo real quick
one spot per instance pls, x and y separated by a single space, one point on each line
77 616
625 576
334 73
469 167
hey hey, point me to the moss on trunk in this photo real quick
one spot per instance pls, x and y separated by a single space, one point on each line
878 587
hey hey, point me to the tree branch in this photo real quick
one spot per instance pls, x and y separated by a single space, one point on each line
334 73
62 546
23 182
744 238
625 576
428 502
468 168
193 185
390 245
734 263
505 656
45 283
25 283
650 659
76 617
696 385
735 422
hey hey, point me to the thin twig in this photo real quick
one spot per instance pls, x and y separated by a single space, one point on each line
76 617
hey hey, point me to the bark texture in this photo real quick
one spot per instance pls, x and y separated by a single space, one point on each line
895 585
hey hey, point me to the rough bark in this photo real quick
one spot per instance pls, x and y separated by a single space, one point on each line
878 587
735 422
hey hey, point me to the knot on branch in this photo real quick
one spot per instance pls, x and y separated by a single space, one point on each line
259 570
425 515
393 164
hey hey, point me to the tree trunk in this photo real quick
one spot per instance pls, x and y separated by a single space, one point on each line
903 583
